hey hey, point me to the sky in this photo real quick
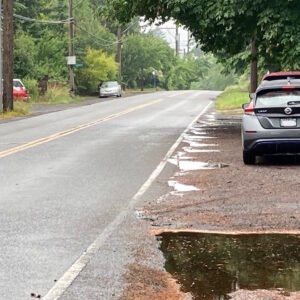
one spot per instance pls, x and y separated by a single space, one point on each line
169 32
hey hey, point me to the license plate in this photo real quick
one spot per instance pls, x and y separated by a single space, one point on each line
288 122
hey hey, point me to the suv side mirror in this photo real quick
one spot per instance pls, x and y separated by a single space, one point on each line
252 96
245 105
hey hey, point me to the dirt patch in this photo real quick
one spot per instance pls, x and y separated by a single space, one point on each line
147 283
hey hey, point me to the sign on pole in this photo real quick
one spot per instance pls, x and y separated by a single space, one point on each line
71 60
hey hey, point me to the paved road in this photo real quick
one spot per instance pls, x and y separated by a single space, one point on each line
66 176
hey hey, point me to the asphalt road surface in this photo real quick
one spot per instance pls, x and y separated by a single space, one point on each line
66 176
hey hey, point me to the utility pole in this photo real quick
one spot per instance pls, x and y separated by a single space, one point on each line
71 48
119 52
177 40
254 80
188 42
1 83
8 55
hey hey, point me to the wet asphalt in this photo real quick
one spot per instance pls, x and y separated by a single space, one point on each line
57 196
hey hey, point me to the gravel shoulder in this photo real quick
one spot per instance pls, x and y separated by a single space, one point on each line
213 191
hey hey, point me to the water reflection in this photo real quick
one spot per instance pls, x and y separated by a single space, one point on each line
213 266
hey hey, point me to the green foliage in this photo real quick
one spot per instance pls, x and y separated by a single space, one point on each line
57 94
233 97
141 55
214 77
25 54
32 87
90 32
21 109
183 74
226 28
41 49
98 66
51 56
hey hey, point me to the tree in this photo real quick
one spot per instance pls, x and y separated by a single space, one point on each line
268 30
141 55
98 67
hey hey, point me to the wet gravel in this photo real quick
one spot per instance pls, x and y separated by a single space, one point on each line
231 197
214 192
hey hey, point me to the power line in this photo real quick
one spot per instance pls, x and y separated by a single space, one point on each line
27 19
100 43
76 5
131 25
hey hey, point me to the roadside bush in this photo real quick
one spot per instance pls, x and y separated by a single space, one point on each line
32 86
98 67
57 94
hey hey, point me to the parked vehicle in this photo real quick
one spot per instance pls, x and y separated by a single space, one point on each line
20 92
271 121
110 88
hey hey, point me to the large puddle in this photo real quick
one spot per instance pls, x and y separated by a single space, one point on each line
211 266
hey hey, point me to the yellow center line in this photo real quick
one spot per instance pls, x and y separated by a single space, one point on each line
177 94
72 130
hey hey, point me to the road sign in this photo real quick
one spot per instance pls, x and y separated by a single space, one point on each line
78 66
71 60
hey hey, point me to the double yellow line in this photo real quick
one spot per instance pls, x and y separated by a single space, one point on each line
72 130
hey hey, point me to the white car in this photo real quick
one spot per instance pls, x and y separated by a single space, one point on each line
110 88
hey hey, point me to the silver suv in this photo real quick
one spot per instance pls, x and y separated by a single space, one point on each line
271 121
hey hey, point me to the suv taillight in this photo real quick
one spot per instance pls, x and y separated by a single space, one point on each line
250 109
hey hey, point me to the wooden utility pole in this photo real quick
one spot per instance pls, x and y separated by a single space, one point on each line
254 75
8 55
1 61
188 42
119 53
177 40
71 47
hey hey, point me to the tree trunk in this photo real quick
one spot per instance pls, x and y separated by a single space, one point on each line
8 55
254 74
142 79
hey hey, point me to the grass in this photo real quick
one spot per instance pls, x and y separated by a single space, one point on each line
233 97
57 95
21 109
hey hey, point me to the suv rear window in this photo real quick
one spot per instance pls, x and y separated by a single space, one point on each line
278 98
280 77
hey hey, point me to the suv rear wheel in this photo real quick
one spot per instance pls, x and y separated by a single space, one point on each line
249 158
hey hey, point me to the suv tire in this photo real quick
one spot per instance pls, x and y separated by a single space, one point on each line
249 158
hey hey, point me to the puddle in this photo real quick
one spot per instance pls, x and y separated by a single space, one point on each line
211 266
198 132
179 187
193 165
192 150
198 137
198 145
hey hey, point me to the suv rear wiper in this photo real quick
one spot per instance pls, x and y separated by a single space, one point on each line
293 103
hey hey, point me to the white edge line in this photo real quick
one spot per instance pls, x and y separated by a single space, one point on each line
71 274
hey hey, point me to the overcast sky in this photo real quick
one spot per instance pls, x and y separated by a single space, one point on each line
169 31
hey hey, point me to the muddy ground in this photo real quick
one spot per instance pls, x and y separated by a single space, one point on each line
225 197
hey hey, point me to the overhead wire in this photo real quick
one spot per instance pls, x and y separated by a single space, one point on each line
99 40
27 19
77 4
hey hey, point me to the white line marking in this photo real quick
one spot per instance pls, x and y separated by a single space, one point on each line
71 274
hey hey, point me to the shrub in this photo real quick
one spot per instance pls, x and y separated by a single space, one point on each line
32 87
98 67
